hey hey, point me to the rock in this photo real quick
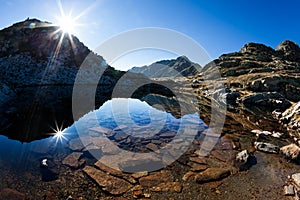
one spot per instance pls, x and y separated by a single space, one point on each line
139 174
244 160
78 144
199 160
256 48
288 190
291 151
189 176
198 167
11 194
212 174
268 101
156 178
168 187
74 160
266 147
296 179
114 172
111 184
152 147
290 50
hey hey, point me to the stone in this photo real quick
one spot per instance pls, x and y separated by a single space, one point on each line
288 190
156 178
152 147
266 147
11 194
242 157
111 184
199 160
167 134
107 147
168 187
189 176
114 172
198 167
74 160
296 179
267 101
78 144
291 151
212 174
242 160
139 174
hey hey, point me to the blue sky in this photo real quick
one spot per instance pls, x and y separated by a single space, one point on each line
219 26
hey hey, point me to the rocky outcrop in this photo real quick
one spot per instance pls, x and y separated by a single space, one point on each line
179 67
268 101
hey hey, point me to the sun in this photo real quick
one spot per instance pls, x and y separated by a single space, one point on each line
67 24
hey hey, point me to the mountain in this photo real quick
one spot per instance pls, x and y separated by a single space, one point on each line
38 68
180 66
262 87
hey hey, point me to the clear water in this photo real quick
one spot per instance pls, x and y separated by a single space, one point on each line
136 118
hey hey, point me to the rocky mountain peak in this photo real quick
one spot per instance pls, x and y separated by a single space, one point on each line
41 40
287 46
255 48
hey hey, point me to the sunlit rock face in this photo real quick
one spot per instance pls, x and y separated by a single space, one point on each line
38 67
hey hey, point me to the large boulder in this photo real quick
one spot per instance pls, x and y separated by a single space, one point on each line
267 101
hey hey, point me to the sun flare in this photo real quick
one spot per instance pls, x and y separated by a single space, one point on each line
67 24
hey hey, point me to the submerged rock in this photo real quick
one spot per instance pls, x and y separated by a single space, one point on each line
266 147
74 160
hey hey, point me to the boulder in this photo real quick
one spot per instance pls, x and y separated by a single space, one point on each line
268 101
291 151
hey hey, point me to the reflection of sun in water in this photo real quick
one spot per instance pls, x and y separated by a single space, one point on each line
59 134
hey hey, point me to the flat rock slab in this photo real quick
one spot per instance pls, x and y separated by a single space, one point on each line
73 160
212 174
156 178
78 144
114 172
111 184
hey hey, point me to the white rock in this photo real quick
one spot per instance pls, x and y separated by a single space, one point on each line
288 190
266 147
291 151
296 179
242 157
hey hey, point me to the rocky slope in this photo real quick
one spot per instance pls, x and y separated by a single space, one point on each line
38 67
178 67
